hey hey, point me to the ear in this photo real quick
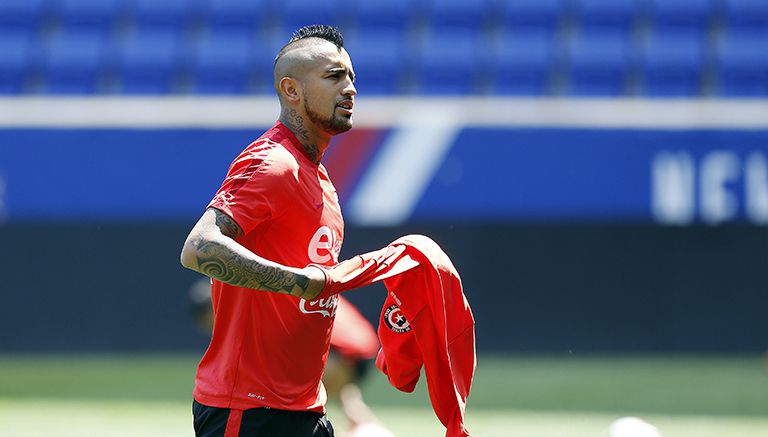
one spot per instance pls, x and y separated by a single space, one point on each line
291 89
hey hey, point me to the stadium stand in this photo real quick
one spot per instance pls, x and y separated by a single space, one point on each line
546 14
147 62
72 62
222 62
21 13
672 64
522 62
466 15
15 59
91 15
379 58
606 14
651 48
598 63
243 15
746 14
448 63
742 63
393 15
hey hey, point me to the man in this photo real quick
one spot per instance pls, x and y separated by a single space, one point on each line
274 215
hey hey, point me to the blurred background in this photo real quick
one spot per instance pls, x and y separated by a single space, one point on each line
596 169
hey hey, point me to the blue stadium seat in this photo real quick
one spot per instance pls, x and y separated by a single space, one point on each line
449 63
165 15
147 62
15 60
298 13
459 14
545 14
231 14
73 61
522 62
379 58
606 14
746 14
689 15
21 14
743 64
598 63
390 14
672 63
222 63
89 15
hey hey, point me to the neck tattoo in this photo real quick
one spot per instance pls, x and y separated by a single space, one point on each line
293 121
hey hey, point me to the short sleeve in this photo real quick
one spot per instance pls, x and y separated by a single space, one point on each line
253 189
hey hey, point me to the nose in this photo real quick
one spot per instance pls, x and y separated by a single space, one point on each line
349 89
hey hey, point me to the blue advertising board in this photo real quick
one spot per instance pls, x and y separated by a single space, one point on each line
482 174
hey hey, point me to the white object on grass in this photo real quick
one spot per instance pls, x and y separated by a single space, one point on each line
632 427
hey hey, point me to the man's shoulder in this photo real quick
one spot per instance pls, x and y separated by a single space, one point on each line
273 157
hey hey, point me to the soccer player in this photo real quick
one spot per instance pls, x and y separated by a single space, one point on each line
275 214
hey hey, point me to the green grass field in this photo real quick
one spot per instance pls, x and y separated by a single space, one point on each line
522 396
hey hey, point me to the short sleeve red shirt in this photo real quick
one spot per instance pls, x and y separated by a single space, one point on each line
269 349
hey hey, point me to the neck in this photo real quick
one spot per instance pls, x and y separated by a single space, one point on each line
314 143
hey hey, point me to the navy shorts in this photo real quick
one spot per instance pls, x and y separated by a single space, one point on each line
224 422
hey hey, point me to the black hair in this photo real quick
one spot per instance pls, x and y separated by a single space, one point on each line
322 31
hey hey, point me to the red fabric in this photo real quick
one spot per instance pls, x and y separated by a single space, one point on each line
426 321
269 349
233 423
353 335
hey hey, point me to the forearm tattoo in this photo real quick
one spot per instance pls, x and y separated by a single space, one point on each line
221 263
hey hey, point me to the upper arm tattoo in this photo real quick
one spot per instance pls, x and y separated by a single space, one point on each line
227 225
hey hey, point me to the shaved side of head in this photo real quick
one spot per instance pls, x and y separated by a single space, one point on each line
297 57
305 45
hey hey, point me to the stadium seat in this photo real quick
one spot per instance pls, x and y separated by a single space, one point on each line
688 15
458 14
448 63
21 14
391 14
742 65
746 14
522 62
297 13
545 14
146 62
593 15
598 63
165 15
73 61
235 14
89 15
671 63
15 60
379 58
222 63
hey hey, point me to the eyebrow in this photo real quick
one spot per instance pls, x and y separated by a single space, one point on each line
343 70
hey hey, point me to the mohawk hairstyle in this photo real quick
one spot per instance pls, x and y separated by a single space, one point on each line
322 31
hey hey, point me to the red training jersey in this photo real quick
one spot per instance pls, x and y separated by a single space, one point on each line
269 349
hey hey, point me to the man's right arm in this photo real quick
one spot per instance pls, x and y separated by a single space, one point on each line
211 249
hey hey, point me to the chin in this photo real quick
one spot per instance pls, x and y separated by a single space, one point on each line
338 128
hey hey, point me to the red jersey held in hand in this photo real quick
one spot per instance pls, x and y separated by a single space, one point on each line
269 349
